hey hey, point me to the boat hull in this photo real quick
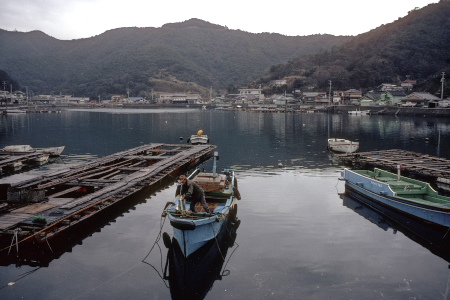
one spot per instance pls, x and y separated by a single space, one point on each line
190 240
196 140
26 149
343 146
382 194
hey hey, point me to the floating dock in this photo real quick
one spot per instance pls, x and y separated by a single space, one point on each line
39 209
422 165
11 163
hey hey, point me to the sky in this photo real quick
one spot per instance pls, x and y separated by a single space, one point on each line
75 19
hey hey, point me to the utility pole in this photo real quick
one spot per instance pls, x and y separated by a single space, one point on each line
10 94
442 85
329 95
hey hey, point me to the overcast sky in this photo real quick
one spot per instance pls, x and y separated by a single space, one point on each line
74 19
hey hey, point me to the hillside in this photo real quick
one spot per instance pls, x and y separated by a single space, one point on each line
415 47
188 56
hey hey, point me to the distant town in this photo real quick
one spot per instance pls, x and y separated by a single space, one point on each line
386 95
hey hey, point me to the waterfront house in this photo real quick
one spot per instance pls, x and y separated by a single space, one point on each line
179 98
312 97
419 99
250 95
382 98
352 96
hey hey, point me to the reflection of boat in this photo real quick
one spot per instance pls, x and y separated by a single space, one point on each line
36 252
433 238
194 229
342 145
193 277
198 138
23 149
410 196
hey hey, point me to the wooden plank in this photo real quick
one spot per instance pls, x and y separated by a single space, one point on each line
69 190
10 219
34 208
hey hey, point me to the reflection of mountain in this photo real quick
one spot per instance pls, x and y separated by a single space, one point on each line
193 277
35 253
434 238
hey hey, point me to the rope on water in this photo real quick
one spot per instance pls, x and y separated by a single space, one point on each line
158 238
20 277
217 242
132 267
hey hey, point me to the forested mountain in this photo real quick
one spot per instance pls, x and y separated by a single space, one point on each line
415 47
188 56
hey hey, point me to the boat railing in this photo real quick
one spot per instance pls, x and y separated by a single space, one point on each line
437 200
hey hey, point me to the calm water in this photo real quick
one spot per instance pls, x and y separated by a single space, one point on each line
299 239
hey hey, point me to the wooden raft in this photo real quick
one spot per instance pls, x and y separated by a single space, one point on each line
90 187
413 162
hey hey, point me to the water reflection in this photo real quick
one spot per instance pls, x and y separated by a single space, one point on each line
193 277
434 238
42 253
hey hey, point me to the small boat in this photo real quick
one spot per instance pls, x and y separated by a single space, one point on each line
198 138
342 145
194 277
192 230
359 112
15 111
24 149
412 197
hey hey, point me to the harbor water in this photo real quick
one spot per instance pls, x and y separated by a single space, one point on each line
300 237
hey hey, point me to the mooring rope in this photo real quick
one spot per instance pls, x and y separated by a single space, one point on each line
20 277
217 242
132 267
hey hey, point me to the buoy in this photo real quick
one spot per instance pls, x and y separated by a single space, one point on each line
280 165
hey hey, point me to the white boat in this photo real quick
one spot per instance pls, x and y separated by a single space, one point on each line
24 149
15 111
359 112
192 230
198 138
342 145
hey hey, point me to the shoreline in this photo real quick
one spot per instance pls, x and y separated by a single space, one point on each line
339 109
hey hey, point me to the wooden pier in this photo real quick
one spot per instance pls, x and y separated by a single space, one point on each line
41 208
10 163
422 165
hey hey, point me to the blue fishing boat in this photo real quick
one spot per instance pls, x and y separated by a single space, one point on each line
193 229
412 197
